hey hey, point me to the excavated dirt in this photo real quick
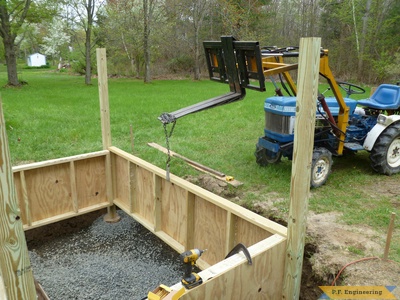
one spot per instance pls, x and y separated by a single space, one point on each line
339 244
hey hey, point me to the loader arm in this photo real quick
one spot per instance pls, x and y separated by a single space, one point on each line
344 110
228 61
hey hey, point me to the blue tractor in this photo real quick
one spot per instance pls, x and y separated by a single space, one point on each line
373 125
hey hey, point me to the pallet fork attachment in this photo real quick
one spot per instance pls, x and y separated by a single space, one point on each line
228 61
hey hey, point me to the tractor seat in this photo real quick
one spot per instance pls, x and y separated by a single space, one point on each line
386 96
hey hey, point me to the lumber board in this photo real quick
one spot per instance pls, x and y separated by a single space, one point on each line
132 187
145 194
157 203
230 231
24 200
3 294
103 96
121 178
110 184
74 193
217 174
65 216
308 74
58 161
190 217
22 196
170 241
15 266
101 57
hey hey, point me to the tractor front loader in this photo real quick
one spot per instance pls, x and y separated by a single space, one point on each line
342 123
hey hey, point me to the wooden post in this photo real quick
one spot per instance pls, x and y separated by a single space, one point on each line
112 215
15 266
389 236
308 72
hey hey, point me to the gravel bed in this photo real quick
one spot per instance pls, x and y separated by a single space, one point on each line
80 259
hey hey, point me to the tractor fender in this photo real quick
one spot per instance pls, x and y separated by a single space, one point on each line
376 131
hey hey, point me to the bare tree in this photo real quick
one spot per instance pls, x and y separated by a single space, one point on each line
123 33
363 38
189 28
12 17
148 14
86 12
200 9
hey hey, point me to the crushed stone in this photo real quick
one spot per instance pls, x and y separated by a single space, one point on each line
120 260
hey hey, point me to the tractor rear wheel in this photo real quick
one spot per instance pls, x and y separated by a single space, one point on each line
321 166
265 157
385 155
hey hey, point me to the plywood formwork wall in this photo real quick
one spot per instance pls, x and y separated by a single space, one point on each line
183 214
57 189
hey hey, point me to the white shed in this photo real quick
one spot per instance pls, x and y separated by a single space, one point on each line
36 60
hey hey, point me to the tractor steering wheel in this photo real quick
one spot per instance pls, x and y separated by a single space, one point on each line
350 88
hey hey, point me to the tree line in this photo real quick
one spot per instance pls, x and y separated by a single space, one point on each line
152 38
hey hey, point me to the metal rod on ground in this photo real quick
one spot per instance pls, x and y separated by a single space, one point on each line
308 72
172 153
389 236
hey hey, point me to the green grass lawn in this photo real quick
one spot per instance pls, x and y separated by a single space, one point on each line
57 115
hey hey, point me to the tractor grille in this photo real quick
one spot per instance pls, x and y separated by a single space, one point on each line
278 123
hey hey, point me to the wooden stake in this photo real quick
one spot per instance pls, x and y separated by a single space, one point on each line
112 215
308 72
15 267
132 138
389 236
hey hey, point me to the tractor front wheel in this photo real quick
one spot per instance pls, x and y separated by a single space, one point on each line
265 157
321 166
385 155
